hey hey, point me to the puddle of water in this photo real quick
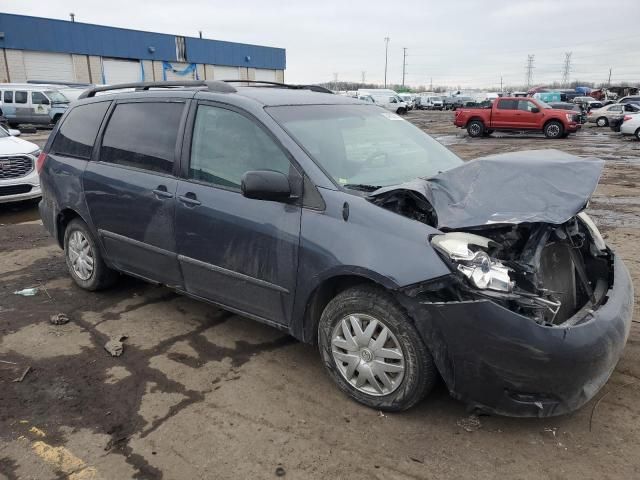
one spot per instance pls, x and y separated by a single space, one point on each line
19 212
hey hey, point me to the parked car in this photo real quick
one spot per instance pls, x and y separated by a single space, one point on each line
630 99
18 176
393 103
453 103
589 103
601 116
518 114
32 104
631 126
351 228
431 102
409 99
571 107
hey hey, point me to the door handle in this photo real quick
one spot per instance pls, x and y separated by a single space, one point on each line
161 192
189 199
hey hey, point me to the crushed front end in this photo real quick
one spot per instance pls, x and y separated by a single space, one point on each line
533 319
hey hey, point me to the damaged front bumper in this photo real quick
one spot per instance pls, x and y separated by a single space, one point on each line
505 363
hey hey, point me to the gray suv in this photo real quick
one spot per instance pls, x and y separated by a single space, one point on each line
350 228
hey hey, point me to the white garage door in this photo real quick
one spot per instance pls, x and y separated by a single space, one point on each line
171 75
265 75
50 67
226 73
121 71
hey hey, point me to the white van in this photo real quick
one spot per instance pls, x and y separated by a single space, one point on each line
33 104
386 98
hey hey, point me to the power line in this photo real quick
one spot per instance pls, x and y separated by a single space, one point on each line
566 71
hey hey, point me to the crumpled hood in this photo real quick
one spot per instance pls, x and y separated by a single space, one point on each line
530 186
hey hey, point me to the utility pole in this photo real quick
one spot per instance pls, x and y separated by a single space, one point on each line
364 77
501 89
567 69
609 81
73 17
530 68
386 59
431 84
335 80
404 64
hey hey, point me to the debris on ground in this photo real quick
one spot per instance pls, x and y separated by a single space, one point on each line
26 292
115 346
280 472
59 319
470 423
24 374
416 459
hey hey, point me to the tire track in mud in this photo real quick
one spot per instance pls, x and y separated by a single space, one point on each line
71 391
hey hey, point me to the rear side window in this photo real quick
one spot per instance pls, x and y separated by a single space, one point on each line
508 105
21 97
8 97
79 130
143 135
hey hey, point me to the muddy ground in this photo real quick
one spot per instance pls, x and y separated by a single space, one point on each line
200 393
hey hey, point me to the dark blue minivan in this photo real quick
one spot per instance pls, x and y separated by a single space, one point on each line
350 228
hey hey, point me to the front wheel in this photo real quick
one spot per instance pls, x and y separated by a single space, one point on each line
553 130
637 134
602 122
84 259
371 349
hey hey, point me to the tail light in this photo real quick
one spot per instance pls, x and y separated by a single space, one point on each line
627 117
40 161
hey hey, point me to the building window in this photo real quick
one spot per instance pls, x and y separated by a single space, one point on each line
181 49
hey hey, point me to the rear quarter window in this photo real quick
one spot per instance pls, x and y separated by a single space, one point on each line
79 130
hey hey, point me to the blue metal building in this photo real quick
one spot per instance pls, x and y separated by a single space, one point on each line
33 48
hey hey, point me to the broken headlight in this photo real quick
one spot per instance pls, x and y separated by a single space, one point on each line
466 252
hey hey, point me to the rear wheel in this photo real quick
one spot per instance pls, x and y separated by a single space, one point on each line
475 128
637 134
602 122
553 129
84 259
371 349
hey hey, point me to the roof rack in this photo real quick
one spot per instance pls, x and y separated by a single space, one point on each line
212 86
56 82
313 88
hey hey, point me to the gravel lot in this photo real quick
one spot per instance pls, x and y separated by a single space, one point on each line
200 393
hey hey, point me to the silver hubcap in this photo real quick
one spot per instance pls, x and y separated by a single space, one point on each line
475 129
80 255
367 354
601 122
554 130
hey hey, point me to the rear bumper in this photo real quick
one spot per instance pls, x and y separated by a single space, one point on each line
504 363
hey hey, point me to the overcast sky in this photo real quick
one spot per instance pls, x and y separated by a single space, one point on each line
455 42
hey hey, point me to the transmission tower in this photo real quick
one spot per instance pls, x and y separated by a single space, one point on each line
404 64
566 71
530 68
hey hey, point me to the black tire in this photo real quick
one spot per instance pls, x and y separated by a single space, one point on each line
57 118
602 122
553 129
637 134
420 373
475 128
102 276
402 111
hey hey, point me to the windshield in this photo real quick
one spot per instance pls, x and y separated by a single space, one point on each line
56 97
543 104
364 145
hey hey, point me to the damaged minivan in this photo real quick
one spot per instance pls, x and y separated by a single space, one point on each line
347 227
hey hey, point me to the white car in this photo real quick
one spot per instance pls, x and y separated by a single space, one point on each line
631 126
18 176
393 103
409 99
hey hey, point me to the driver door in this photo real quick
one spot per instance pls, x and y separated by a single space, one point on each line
238 252
40 108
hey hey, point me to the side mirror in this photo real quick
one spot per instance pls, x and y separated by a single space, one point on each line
14 133
265 185
535 110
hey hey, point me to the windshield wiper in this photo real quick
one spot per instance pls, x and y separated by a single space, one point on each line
362 186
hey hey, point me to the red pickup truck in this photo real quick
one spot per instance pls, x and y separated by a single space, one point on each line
517 114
